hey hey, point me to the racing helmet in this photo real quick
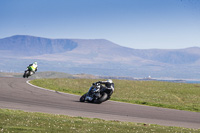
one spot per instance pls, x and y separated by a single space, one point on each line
35 63
110 81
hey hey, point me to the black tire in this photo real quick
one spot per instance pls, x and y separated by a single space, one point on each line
82 99
27 74
102 99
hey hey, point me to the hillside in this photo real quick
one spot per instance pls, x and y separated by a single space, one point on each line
97 57
28 45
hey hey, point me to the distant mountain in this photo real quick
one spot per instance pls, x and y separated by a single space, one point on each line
29 45
173 56
98 57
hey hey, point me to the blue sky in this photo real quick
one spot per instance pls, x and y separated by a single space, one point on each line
140 24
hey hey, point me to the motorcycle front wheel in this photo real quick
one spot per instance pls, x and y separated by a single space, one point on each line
26 74
82 99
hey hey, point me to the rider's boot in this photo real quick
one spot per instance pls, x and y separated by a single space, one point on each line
88 98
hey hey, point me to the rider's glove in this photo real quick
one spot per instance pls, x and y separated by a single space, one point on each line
99 82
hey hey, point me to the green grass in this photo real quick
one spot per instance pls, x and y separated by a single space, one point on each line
26 122
180 96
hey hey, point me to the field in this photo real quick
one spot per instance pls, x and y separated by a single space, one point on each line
26 122
180 96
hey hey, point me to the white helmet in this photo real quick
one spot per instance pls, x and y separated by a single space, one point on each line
35 63
109 81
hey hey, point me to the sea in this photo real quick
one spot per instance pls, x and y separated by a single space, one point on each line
175 81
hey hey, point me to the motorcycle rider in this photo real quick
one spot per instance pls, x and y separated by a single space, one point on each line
108 85
32 68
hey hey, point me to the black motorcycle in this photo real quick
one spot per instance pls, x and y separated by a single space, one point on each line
97 94
28 73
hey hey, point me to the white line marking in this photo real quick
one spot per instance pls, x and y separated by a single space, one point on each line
48 89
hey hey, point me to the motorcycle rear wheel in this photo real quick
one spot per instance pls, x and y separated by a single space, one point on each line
102 98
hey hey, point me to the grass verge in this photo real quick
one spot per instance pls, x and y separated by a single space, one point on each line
23 122
180 96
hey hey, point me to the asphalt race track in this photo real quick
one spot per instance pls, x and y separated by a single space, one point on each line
15 93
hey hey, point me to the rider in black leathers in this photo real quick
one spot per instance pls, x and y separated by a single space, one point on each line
108 85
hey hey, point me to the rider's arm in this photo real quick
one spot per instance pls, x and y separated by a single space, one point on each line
102 82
